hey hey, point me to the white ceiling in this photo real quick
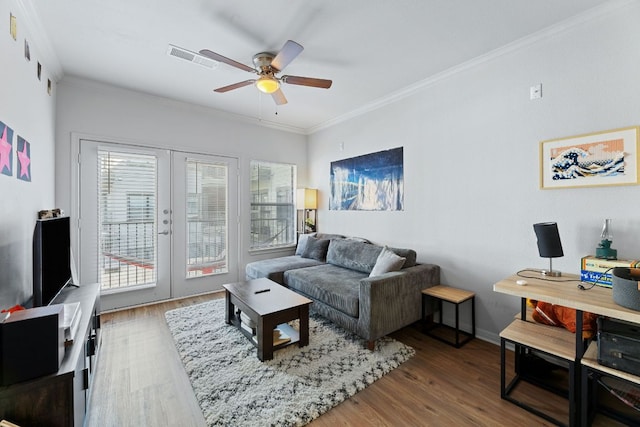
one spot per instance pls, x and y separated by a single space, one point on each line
371 49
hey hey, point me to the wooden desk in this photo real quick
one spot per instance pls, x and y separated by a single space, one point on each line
564 291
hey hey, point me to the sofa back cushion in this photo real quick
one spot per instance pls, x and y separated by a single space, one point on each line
409 254
315 249
302 242
353 255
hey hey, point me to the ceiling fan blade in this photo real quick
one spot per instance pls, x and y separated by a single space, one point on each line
220 58
278 97
234 86
307 81
288 53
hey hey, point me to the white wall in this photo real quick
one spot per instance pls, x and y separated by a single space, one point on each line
471 147
99 110
25 107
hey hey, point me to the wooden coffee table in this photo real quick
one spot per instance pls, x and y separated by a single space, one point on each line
268 305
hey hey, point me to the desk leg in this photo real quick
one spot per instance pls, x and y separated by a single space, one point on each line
576 393
584 397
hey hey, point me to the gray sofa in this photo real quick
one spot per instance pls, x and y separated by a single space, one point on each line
334 272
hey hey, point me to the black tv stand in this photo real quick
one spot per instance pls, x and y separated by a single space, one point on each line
62 398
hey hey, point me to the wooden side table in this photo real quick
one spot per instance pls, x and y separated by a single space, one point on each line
456 297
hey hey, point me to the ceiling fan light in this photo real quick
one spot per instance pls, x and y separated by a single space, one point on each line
267 84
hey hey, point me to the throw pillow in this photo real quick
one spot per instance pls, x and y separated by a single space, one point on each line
315 249
302 242
387 261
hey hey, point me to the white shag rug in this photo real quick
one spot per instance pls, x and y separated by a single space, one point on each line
234 388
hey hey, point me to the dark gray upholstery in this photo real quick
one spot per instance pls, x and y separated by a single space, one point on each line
336 286
353 255
409 254
315 249
274 268
343 292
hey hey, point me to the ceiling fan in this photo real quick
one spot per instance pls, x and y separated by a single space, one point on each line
267 65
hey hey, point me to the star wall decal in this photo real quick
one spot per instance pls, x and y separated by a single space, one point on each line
24 159
6 150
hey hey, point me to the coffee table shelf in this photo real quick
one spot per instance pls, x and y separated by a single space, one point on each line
284 327
268 305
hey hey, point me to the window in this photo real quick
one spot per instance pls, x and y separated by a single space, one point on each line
272 205
127 219
207 218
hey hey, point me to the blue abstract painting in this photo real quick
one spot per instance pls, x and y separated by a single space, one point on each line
372 182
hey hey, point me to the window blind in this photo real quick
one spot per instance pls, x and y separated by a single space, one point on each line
272 205
127 207
207 218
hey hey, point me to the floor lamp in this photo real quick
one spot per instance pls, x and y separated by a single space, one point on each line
307 201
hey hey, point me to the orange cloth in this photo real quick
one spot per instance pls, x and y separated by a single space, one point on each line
13 309
557 315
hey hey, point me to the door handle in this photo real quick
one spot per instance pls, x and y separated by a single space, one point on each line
165 232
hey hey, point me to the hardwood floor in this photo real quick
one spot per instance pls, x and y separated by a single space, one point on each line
140 381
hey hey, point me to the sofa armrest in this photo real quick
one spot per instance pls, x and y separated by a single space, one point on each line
394 300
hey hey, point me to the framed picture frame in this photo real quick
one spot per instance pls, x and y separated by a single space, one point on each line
371 182
590 160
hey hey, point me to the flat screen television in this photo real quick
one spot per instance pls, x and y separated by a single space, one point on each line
51 259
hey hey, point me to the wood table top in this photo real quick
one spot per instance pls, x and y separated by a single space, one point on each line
564 291
265 296
448 293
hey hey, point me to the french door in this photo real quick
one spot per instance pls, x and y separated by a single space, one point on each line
205 223
155 224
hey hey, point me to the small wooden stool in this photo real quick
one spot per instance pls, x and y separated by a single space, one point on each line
454 296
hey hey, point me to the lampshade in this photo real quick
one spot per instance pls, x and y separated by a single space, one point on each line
549 245
267 84
307 198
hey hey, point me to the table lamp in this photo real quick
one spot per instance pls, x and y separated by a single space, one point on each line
549 245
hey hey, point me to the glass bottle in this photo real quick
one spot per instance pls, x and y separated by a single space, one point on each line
604 249
606 231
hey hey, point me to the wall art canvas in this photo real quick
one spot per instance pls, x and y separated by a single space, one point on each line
6 150
372 182
595 159
24 160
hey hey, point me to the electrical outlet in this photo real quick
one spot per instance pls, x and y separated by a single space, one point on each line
535 92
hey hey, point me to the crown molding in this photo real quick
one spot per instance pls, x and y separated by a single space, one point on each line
544 34
39 39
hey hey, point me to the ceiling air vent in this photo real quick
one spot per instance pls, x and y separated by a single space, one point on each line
194 57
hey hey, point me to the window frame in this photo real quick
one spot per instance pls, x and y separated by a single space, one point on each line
260 211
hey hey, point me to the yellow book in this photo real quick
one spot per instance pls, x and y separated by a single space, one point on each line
599 271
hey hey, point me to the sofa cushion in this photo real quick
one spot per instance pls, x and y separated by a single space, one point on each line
302 242
335 286
316 249
409 254
274 268
353 255
329 236
387 261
